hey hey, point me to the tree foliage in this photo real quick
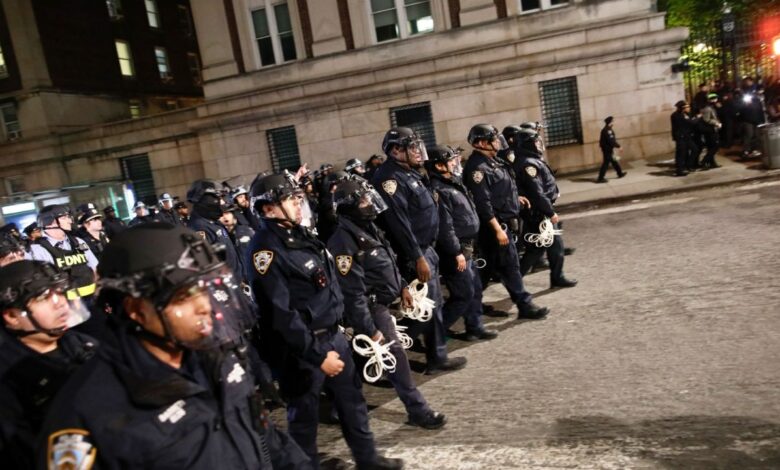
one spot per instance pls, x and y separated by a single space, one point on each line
701 15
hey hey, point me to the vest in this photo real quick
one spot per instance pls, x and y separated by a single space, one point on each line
73 262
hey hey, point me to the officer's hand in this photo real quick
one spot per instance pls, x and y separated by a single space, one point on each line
378 337
332 365
406 298
503 238
524 202
461 262
423 270
554 219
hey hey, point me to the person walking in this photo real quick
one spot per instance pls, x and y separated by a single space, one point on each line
608 143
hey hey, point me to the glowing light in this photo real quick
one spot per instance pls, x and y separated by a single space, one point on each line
700 47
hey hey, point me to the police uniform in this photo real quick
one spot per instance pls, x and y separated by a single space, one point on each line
168 216
213 232
127 409
412 222
28 383
495 195
300 303
608 143
70 255
242 238
370 281
95 245
537 183
459 228
142 219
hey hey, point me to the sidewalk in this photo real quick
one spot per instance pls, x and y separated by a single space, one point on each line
653 177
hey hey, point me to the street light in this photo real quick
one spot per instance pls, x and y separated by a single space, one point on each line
776 46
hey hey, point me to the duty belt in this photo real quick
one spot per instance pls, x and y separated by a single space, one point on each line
79 292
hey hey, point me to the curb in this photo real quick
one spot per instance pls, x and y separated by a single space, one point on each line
576 206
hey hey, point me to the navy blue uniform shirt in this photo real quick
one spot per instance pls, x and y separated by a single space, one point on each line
536 182
493 188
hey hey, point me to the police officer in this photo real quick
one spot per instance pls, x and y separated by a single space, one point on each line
682 133
412 220
167 213
326 215
373 163
183 212
91 230
355 166
112 224
38 352
32 232
11 250
240 235
65 251
300 303
207 207
142 214
244 216
168 387
608 143
458 230
498 206
536 182
370 281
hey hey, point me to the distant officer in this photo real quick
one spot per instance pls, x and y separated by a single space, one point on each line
373 163
168 387
11 250
142 214
91 228
608 143
32 232
458 231
38 352
536 182
112 224
207 207
301 304
326 215
167 214
370 281
244 216
498 206
682 133
355 166
240 235
412 220
183 212
711 128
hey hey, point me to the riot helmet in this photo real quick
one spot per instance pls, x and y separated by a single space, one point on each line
55 216
206 198
446 155
355 166
10 249
283 192
411 144
34 299
358 200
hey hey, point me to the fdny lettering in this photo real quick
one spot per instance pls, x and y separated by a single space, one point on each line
174 413
71 260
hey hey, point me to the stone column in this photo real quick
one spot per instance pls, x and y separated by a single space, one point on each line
325 27
216 49
477 11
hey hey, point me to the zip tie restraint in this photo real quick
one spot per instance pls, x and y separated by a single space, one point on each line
400 331
546 235
379 357
422 306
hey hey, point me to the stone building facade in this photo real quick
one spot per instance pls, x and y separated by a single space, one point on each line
322 80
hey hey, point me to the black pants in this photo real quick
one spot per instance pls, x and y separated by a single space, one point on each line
694 150
681 150
504 260
534 253
711 141
609 158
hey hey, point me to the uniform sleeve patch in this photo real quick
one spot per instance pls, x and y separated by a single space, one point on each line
344 264
262 260
531 171
477 176
71 448
390 186
201 234
436 197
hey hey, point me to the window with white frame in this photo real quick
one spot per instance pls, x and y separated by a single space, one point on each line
273 32
114 9
394 19
151 13
125 58
10 121
527 6
161 57
3 67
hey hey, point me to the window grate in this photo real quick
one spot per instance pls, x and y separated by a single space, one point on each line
138 170
283 147
561 111
418 117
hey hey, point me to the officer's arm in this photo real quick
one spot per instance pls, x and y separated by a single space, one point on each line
530 180
476 183
397 221
350 279
39 253
613 140
92 261
271 286
447 242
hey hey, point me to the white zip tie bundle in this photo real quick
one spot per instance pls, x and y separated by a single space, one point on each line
379 357
405 340
546 235
422 306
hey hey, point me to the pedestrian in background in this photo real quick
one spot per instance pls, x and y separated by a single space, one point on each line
608 143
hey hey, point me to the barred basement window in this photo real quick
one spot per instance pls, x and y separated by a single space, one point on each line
283 148
561 111
138 171
418 117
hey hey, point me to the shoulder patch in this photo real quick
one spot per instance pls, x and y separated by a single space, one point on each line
531 171
201 234
344 264
390 186
436 197
262 260
70 448
477 176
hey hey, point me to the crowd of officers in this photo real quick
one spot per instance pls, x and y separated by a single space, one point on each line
162 343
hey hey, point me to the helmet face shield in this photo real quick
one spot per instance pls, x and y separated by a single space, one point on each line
52 312
208 312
